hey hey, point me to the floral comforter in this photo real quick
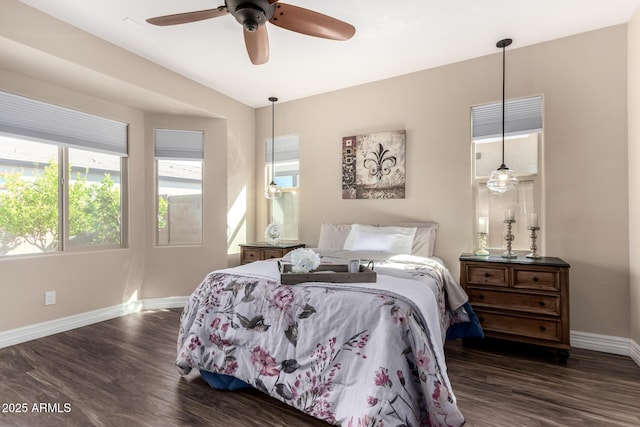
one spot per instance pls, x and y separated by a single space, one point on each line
350 354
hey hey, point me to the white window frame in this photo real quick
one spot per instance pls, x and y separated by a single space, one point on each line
178 144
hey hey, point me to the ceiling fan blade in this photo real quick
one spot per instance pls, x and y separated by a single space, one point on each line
311 23
257 43
183 18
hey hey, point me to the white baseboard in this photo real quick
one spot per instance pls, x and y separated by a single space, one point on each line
164 303
606 344
585 340
39 330
603 343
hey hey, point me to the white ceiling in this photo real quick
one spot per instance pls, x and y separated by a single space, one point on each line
392 38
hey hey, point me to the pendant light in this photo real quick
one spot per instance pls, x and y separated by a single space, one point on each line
273 191
502 179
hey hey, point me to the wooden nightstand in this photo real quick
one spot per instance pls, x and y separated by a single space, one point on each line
250 252
520 299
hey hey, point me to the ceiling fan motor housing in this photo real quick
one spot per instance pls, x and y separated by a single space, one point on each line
251 14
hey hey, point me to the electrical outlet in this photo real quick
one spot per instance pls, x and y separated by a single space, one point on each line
50 298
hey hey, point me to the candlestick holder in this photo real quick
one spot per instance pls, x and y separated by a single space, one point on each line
534 247
482 245
509 238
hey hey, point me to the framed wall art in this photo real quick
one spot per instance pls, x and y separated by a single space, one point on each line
373 166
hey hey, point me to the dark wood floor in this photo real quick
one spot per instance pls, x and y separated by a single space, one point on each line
120 373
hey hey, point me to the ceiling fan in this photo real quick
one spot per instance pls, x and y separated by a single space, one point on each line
254 14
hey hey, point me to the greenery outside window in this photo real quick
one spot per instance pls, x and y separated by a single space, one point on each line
94 194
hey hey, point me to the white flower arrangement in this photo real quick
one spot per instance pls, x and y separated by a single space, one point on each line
304 260
273 233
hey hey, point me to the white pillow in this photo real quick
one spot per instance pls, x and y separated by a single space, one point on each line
360 240
333 236
395 240
424 241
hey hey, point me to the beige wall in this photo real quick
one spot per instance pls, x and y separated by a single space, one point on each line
583 80
46 59
634 173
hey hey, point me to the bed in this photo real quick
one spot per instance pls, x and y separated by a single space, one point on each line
356 354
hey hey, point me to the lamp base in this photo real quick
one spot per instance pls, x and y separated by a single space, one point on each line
482 252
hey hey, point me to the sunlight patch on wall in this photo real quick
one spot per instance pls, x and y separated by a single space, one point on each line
237 222
133 297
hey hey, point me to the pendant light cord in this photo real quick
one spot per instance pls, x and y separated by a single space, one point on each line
503 45
273 99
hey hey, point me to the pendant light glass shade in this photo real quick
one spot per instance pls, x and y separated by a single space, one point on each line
273 191
502 179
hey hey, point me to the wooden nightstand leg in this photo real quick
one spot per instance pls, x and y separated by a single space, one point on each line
563 356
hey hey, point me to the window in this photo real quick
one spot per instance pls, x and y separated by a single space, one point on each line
94 198
29 211
523 145
284 210
61 178
179 155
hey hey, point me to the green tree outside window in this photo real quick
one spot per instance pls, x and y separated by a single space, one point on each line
29 211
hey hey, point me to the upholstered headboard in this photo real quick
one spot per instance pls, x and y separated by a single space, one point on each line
335 236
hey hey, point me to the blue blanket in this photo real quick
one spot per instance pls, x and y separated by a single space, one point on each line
471 329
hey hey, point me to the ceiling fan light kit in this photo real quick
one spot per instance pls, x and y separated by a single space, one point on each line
254 14
251 14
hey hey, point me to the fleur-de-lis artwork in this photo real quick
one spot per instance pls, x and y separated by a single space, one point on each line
373 166
380 162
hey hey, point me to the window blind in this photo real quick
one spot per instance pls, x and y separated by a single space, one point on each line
49 123
522 116
286 149
172 144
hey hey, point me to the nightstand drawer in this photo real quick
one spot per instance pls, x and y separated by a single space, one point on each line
274 253
494 276
536 279
546 329
250 255
531 303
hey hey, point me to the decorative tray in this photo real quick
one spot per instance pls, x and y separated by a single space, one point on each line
329 273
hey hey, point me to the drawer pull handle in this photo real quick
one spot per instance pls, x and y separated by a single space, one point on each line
535 279
481 296
541 303
542 328
487 275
